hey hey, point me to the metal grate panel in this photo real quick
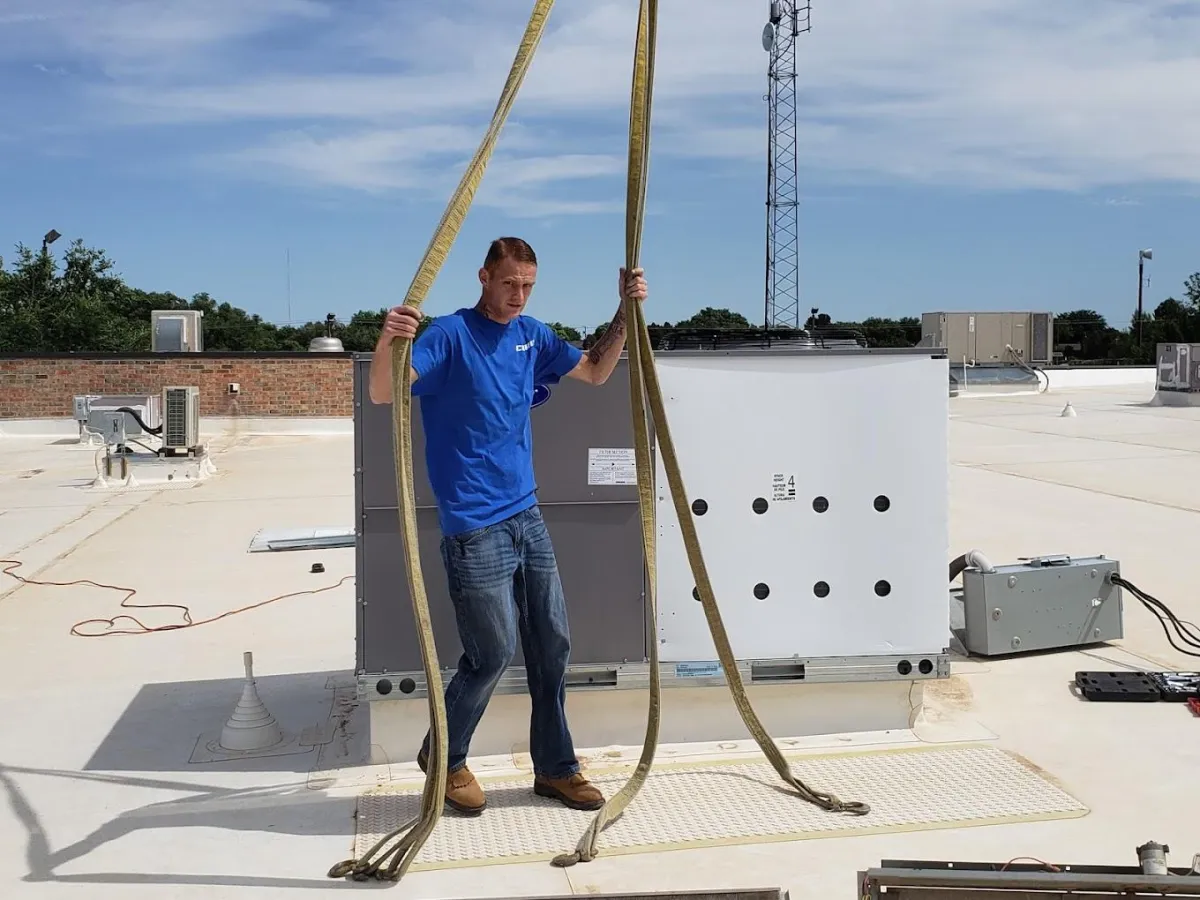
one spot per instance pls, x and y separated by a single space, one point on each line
734 802
175 430
1041 349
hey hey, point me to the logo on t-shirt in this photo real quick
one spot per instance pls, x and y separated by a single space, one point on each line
521 348
541 394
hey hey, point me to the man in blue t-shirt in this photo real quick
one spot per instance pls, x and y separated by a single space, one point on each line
474 372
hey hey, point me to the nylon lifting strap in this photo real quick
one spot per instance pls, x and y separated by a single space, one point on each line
643 387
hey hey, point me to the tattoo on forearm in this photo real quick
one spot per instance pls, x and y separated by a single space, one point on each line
612 334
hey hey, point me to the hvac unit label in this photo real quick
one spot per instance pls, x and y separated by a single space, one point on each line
697 669
608 465
783 487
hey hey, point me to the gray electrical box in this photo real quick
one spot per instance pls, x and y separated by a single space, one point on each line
1042 604
596 530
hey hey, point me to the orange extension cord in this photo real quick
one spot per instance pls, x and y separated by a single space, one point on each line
11 565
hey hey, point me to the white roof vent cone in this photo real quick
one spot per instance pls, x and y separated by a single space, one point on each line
250 727
1068 411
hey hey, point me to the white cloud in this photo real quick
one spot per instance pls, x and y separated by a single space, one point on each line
141 38
992 94
373 160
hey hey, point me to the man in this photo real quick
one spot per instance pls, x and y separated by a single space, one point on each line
474 372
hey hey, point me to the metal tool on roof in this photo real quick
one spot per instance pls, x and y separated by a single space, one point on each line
1029 877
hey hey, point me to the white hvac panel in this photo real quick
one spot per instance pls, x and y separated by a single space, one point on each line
788 429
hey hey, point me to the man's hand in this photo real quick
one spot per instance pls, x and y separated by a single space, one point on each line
400 323
632 285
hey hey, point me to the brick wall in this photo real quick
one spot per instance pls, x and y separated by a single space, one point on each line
276 384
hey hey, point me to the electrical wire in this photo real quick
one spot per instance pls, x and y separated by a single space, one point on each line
1184 630
133 413
1036 371
11 565
1049 867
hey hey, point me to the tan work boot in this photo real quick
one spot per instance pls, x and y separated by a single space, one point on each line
574 791
463 792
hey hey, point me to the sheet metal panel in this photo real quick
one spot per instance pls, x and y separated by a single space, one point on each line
595 528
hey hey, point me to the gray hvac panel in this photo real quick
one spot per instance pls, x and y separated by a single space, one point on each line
596 531
595 546
576 417
375 459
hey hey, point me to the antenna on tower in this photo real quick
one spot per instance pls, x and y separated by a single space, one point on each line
788 20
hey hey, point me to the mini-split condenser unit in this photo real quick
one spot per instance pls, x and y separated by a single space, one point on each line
180 418
176 331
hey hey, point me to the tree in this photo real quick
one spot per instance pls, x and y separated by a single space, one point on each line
888 332
566 332
81 303
711 317
44 309
1191 289
234 328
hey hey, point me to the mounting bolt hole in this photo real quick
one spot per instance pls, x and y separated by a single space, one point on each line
820 504
384 686
699 507
882 588
904 667
821 589
925 666
761 591
759 505
882 503
407 685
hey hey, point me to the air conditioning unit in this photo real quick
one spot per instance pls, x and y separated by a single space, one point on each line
181 418
176 331
89 410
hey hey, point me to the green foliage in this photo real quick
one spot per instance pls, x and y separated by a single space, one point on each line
566 332
82 304
715 318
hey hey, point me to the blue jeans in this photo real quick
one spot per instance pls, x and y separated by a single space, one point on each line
503 580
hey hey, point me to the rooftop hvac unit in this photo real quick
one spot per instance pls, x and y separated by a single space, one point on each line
176 331
181 418
1179 368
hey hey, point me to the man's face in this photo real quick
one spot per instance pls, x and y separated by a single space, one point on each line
506 288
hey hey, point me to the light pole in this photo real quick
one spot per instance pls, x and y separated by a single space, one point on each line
50 238
1143 255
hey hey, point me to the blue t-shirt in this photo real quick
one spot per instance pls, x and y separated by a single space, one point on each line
475 382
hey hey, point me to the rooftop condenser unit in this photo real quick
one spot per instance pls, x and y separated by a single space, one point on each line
181 418
176 331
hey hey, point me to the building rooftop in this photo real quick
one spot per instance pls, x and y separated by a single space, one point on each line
107 791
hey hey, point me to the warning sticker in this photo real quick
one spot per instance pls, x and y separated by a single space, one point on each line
609 465
783 487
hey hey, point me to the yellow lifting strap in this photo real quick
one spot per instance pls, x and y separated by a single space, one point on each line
643 386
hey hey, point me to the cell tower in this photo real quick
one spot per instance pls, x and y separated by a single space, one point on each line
788 20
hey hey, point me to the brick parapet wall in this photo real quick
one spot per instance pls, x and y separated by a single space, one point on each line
271 384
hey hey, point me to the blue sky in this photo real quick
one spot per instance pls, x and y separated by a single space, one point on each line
988 154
